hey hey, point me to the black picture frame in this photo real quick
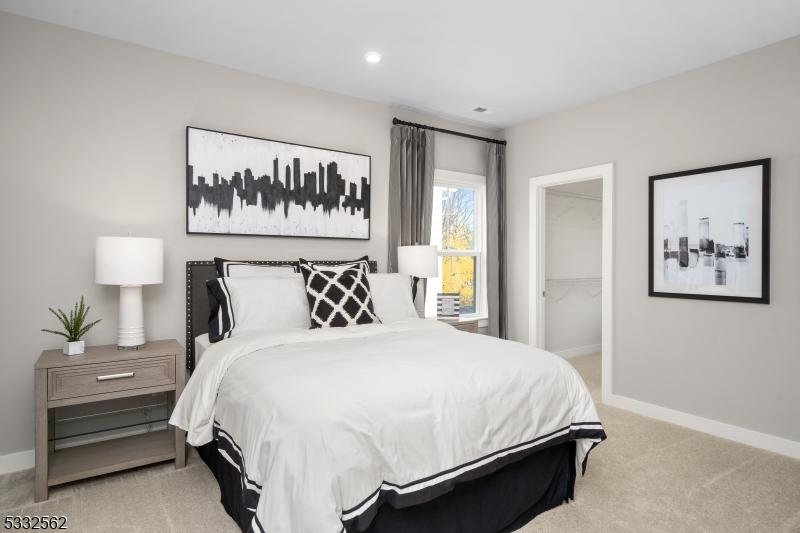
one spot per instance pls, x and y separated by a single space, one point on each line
765 165
188 184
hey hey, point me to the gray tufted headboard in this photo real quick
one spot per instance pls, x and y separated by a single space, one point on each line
197 273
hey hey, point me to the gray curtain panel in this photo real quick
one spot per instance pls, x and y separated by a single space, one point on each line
410 189
496 239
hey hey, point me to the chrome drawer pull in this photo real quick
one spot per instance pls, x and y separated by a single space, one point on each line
109 377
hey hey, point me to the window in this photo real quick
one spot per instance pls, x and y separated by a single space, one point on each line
458 230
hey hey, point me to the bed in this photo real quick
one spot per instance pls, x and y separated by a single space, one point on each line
408 426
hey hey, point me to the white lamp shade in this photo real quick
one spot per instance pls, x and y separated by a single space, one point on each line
129 261
421 261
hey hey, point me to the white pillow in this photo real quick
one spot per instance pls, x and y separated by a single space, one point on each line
252 304
391 296
241 270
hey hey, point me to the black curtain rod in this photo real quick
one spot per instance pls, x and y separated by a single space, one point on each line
449 132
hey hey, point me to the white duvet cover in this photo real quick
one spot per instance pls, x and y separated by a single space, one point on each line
331 423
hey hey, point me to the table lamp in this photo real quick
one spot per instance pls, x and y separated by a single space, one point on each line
418 261
129 262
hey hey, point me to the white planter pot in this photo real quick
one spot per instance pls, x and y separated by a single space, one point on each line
73 348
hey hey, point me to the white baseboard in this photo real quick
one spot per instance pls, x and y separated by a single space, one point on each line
716 428
579 350
14 462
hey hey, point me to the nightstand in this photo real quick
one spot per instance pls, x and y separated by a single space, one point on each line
469 324
105 373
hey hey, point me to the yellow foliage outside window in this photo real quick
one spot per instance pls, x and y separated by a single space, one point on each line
458 233
458 276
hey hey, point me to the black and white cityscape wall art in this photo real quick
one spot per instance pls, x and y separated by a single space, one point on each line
240 185
709 233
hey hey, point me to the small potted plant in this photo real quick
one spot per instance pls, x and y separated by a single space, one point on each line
75 327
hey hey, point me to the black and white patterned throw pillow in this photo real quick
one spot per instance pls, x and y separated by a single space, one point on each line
342 265
338 298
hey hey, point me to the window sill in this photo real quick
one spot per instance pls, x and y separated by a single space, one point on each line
483 321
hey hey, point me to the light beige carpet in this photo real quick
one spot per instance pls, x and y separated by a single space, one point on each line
648 476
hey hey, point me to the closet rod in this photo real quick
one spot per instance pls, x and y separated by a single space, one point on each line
567 194
449 132
573 280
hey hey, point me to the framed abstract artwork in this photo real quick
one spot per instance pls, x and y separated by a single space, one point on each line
709 233
241 185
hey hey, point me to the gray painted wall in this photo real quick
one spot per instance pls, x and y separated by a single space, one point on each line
737 363
92 143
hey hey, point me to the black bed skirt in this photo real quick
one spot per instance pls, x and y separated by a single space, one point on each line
500 502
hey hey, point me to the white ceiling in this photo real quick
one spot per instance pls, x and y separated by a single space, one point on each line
520 59
593 188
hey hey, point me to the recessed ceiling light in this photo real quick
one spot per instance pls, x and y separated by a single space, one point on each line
373 57
480 109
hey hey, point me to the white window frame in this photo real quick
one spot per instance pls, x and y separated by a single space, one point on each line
449 178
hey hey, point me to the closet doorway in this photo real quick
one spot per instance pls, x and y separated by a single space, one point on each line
571 266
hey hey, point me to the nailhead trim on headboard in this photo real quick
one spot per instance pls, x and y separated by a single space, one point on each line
190 265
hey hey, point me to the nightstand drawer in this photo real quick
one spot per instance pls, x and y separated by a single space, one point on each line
87 380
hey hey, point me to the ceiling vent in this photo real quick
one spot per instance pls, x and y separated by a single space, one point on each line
480 109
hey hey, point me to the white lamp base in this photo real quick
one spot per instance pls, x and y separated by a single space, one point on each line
131 318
